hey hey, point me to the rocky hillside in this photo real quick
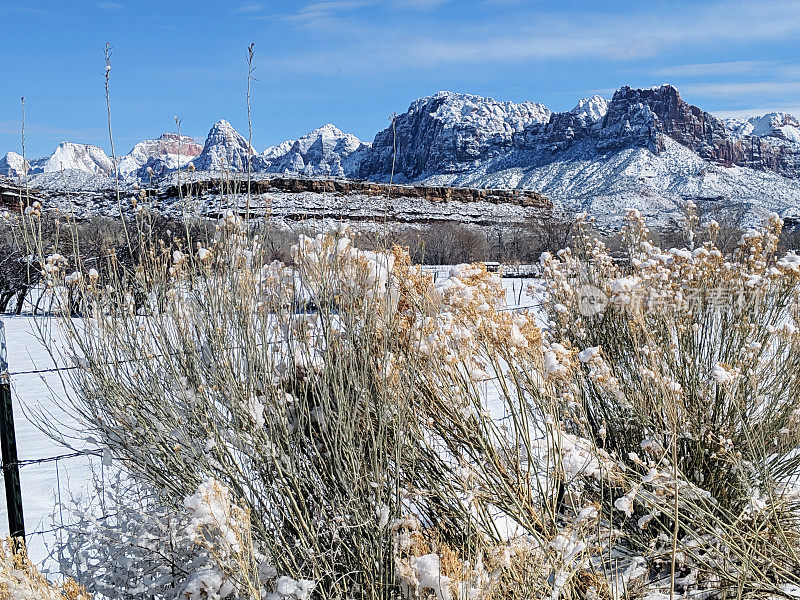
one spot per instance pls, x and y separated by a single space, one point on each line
289 199
448 133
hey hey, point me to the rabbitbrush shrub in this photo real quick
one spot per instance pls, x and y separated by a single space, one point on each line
364 432
688 374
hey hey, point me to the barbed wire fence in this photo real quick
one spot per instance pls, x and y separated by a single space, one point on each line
17 472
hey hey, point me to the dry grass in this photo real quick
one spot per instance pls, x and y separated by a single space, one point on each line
20 580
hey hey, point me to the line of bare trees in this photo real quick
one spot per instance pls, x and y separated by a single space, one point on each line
433 243
87 242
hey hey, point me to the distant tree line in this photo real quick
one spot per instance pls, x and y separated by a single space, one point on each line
436 243
88 242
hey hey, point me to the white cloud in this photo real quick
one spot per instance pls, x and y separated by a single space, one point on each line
326 8
744 113
758 88
14 127
317 12
420 4
249 8
30 10
716 68
493 4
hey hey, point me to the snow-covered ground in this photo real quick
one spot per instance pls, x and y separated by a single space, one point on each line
516 288
36 393
42 483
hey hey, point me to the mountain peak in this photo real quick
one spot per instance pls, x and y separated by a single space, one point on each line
80 157
13 165
449 104
327 128
223 125
592 108
447 132
225 149
169 151
325 150
775 124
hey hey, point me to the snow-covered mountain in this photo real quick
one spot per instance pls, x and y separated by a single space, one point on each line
170 150
226 150
778 125
592 109
323 151
447 133
69 156
646 148
13 165
167 152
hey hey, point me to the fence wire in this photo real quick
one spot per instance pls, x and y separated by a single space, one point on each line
58 459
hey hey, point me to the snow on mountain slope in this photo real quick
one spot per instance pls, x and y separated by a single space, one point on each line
592 109
274 152
657 184
323 151
225 149
79 157
73 180
470 112
13 165
171 149
447 133
779 125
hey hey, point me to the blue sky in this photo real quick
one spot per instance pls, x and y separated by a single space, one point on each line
354 62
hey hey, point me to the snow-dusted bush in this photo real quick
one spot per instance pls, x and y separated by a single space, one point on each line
275 380
331 396
384 434
686 370
20 580
123 542
132 544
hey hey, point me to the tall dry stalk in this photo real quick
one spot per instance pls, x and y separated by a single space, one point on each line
250 71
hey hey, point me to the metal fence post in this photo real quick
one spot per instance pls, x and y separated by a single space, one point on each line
8 442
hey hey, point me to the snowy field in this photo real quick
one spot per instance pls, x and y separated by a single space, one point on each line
34 392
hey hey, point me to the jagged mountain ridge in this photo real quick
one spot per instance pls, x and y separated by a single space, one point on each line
323 151
634 118
643 147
